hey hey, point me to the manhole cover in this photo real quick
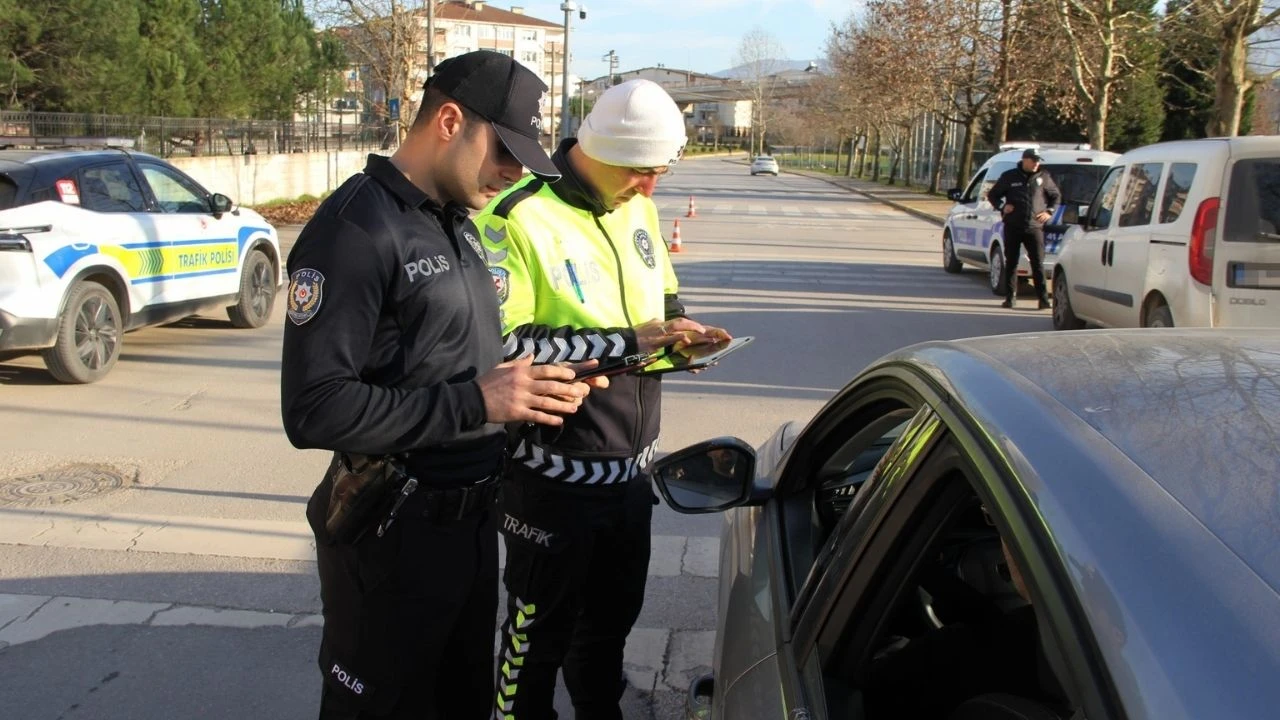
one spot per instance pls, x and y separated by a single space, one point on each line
60 485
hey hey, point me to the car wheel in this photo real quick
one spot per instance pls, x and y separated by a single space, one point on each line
995 274
89 336
1063 317
1160 317
257 293
950 262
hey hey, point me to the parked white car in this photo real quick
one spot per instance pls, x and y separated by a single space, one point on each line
1181 233
764 164
97 243
974 231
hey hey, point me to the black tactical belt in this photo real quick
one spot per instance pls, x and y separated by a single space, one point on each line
450 504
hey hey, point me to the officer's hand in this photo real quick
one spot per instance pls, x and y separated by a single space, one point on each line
656 334
1008 208
598 382
709 335
1043 216
519 391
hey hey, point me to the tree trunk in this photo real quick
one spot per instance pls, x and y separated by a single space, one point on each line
1230 78
839 149
1004 72
875 157
936 180
906 158
1002 124
965 168
895 158
1098 117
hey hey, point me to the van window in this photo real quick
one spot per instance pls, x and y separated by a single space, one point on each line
1176 189
993 175
1078 183
1140 194
971 194
1253 202
1106 198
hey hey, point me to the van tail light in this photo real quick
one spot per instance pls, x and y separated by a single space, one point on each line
1204 236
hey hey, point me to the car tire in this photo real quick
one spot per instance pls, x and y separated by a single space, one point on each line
950 262
257 293
995 272
90 332
1064 318
1160 317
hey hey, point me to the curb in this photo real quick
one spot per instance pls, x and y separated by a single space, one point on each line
891 203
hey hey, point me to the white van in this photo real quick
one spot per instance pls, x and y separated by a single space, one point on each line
1182 233
974 231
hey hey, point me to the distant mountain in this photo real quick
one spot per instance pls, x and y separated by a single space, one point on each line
744 71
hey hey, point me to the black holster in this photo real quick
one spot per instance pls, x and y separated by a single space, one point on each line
362 489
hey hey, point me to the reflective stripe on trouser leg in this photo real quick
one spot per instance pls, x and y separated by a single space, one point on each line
514 649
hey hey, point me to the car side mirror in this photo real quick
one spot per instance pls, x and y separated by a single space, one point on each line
707 477
221 204
955 194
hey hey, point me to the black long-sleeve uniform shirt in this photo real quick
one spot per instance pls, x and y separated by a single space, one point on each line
392 316
1028 193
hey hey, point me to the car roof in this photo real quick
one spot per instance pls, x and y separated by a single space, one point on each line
1060 156
51 154
1151 459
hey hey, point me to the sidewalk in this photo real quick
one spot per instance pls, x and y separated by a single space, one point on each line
932 208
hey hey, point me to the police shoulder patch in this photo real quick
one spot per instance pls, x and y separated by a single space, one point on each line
501 283
306 290
644 246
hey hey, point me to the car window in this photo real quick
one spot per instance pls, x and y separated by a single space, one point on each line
1253 201
174 193
111 188
8 193
1076 182
1105 201
1140 194
971 192
1176 188
993 175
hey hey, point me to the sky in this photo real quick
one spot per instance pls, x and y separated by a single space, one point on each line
698 35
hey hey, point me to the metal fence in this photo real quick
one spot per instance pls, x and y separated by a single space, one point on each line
188 137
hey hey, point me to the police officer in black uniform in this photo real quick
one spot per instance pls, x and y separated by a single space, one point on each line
392 348
1027 197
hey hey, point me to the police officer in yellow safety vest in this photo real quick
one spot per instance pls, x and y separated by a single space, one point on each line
582 271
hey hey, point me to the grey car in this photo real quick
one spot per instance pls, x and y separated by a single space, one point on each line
1071 525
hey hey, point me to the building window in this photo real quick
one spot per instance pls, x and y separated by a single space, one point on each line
529 35
462 30
506 33
486 32
529 56
508 53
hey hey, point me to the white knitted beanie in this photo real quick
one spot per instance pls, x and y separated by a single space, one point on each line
634 124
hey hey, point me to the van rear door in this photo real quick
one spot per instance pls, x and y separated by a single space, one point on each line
1246 262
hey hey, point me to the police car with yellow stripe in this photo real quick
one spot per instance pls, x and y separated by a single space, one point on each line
96 243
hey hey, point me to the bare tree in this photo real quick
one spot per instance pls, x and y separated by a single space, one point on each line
387 39
1101 36
1239 28
760 57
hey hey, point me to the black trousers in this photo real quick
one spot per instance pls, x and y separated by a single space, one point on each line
577 560
409 618
1033 240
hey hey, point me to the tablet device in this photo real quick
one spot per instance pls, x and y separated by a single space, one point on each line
617 366
695 357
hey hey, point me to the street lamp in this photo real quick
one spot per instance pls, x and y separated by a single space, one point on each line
568 6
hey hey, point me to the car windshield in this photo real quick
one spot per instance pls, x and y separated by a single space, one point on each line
1253 201
764 158
1078 183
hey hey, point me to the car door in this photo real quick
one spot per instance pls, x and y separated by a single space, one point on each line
990 220
1246 262
924 611
200 251
964 222
120 226
1128 247
1087 274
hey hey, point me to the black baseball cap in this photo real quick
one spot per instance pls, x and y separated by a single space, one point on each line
1032 154
504 92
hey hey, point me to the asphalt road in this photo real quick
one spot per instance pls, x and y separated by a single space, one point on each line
190 593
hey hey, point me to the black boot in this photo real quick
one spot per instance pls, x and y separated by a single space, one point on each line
1008 301
1044 303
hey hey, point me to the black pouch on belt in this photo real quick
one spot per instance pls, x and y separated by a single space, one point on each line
363 488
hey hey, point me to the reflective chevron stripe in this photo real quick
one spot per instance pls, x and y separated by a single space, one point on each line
512 659
575 348
582 471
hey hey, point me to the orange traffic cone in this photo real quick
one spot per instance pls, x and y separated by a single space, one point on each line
693 210
675 245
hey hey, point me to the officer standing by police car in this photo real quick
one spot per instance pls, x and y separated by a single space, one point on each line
582 272
392 348
1027 197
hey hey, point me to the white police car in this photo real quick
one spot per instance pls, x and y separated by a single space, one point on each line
96 243
974 230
